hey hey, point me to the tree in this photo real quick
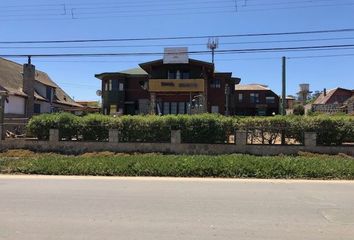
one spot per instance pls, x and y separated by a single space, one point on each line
299 110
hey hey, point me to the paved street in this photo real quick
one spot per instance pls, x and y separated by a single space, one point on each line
153 208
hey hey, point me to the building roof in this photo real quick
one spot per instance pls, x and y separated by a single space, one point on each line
322 99
11 80
251 87
134 71
146 65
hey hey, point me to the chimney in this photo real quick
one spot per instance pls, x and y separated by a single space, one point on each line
324 92
29 74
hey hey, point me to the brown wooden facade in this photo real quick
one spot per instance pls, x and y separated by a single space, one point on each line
160 88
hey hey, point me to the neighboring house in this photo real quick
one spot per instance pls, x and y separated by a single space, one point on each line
332 101
30 92
349 105
255 99
168 88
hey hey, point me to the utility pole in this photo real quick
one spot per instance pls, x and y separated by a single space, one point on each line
3 96
283 109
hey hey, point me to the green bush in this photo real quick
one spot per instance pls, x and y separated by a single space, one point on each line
299 110
68 125
204 128
95 127
310 166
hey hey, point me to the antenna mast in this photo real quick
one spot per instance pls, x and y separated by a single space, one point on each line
213 43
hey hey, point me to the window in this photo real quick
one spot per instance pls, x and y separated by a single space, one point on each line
37 108
181 108
106 85
166 108
254 97
185 75
214 109
270 99
121 86
171 74
110 85
215 83
173 108
49 93
114 85
240 97
178 74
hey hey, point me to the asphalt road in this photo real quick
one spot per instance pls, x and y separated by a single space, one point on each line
153 208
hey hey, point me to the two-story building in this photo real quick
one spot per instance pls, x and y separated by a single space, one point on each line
255 100
165 87
29 92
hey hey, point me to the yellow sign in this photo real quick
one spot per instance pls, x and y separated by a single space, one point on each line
176 85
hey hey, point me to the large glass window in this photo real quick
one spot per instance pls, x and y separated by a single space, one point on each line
173 108
254 97
166 108
181 108
240 97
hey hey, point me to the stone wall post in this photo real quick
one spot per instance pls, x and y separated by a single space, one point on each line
53 135
113 135
310 139
176 136
241 138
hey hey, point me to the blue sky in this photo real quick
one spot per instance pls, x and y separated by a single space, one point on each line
93 19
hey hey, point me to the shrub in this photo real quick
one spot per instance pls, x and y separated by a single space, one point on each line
299 110
204 128
95 127
68 125
304 166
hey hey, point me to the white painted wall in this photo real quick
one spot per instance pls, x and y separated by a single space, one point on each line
15 105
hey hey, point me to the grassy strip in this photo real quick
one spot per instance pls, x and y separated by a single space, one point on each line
305 166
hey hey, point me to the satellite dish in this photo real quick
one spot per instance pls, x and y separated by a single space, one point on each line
99 93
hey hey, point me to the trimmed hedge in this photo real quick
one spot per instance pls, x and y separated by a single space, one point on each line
204 128
305 166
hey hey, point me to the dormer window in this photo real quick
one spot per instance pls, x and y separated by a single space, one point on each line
49 93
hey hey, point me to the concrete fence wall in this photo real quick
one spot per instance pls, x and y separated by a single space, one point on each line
176 146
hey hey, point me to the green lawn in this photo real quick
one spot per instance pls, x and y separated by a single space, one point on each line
302 166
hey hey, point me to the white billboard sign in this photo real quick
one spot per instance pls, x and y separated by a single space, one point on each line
176 55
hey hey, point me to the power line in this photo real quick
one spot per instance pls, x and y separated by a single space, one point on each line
181 37
176 45
229 51
322 56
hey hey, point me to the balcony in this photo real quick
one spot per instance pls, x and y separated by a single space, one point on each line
176 85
